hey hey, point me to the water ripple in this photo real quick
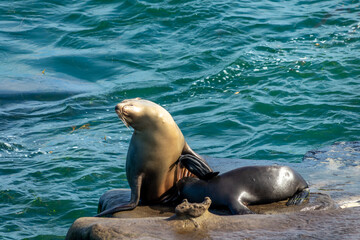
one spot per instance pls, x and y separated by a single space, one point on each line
259 80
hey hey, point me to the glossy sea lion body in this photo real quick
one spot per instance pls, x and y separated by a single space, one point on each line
152 165
247 186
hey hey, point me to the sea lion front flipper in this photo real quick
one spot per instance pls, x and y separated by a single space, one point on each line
238 208
299 197
134 201
196 164
198 167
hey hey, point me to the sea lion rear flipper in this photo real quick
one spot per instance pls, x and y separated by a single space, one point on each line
299 197
134 201
196 164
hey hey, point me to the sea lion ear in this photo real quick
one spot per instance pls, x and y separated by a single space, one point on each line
137 98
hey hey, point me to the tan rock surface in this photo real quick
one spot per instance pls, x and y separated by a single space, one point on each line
318 218
329 224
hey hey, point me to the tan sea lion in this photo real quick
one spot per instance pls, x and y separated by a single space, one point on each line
152 165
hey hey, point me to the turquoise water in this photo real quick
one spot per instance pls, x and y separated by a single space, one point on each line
263 80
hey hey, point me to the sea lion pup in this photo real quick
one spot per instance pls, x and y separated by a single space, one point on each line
152 164
247 186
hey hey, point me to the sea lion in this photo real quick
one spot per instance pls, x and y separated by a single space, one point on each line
247 186
152 163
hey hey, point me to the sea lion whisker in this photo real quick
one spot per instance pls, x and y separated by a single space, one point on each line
122 118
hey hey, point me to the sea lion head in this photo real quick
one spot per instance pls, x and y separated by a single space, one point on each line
191 188
141 114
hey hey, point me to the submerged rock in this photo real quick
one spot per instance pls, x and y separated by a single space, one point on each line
340 154
334 169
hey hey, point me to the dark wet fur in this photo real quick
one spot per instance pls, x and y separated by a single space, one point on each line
299 197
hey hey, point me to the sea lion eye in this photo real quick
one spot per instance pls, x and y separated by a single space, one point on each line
125 109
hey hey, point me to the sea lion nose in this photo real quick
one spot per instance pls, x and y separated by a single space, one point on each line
117 108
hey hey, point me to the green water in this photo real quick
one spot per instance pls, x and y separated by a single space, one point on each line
263 80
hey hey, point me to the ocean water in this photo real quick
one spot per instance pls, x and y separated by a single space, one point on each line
259 80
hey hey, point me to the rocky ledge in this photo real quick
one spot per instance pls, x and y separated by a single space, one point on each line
309 220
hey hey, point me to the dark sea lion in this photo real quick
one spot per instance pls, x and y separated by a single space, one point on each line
247 186
152 163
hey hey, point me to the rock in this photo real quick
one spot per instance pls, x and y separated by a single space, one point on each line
330 224
191 220
192 210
